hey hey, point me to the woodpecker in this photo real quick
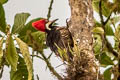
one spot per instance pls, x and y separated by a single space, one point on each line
56 35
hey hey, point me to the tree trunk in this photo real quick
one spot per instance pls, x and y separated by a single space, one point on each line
81 22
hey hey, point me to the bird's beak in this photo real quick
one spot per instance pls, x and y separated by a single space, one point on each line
49 23
54 21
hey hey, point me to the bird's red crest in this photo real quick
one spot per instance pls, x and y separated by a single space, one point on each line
39 25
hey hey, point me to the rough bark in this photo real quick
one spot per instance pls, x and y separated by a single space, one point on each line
81 22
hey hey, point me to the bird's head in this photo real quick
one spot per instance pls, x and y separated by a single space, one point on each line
43 24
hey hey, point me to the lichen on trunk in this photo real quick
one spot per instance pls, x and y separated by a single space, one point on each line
81 22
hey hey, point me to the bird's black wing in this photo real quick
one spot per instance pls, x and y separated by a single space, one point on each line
53 37
61 37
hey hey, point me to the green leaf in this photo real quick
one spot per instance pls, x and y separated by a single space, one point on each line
97 24
36 40
117 38
106 8
97 43
109 30
21 73
25 52
19 22
117 6
115 19
39 38
118 28
2 19
107 74
98 30
117 32
105 60
1 50
95 4
3 1
28 27
11 53
116 46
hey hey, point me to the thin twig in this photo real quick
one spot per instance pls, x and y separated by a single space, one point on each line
1 73
100 12
51 68
107 19
32 61
45 59
32 54
59 65
101 16
37 77
50 56
37 56
49 10
110 48
103 26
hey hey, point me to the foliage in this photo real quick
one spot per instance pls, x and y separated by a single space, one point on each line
107 74
11 53
1 51
3 1
2 19
21 67
25 52
19 57
105 52
21 73
19 22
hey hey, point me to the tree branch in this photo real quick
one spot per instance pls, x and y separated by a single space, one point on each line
1 73
110 48
37 77
45 58
107 19
37 56
103 26
100 12
50 9
51 68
